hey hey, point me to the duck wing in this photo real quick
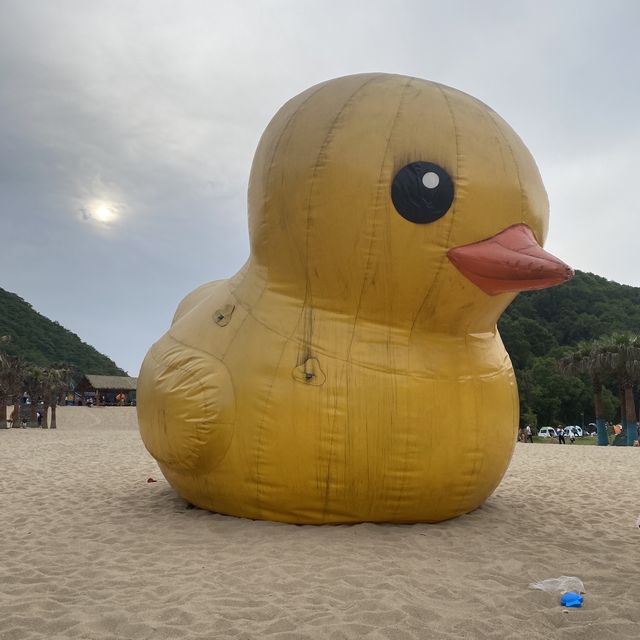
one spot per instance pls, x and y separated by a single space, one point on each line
186 406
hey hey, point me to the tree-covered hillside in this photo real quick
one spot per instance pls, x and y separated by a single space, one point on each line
540 326
43 342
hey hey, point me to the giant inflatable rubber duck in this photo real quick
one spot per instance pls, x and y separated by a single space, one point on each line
352 370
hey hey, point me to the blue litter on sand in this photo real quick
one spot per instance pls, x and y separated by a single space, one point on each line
571 599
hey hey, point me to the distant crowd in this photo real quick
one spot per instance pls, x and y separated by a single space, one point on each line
561 434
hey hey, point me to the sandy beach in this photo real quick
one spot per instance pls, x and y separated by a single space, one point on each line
90 549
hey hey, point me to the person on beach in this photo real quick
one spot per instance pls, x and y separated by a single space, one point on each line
561 439
528 434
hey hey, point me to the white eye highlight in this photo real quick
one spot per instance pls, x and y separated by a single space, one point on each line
430 180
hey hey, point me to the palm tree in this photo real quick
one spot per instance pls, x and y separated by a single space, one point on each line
12 372
55 382
34 384
620 354
14 385
586 359
4 373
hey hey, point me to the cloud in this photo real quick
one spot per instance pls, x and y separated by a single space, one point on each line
156 107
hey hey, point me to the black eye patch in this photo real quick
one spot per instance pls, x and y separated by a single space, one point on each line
422 192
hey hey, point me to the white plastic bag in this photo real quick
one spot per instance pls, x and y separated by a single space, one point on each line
563 584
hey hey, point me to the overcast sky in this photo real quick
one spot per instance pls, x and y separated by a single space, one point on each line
153 109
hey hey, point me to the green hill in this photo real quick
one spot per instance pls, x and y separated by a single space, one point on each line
584 308
540 326
43 342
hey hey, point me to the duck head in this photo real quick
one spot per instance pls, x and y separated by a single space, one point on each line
400 201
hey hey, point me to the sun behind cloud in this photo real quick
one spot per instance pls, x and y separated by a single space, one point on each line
104 213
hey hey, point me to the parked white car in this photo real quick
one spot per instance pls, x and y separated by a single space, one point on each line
576 431
547 432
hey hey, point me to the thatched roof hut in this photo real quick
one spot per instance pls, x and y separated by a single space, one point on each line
108 389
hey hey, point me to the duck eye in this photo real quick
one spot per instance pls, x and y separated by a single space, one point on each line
422 192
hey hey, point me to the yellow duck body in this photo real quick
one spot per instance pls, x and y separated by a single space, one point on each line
350 371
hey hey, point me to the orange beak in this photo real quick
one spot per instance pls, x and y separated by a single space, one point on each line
510 261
